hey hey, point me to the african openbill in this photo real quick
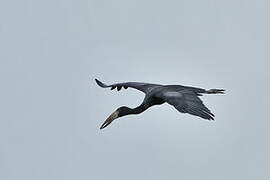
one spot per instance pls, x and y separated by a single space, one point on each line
184 98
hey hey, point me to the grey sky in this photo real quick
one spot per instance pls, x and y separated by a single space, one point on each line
51 109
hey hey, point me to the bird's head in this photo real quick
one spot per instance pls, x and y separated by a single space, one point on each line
122 111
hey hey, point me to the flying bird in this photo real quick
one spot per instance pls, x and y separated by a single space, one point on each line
184 98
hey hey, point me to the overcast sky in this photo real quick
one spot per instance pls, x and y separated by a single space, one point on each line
51 108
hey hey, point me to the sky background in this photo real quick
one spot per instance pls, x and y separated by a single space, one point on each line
51 108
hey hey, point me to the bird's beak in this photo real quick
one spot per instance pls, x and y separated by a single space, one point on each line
110 119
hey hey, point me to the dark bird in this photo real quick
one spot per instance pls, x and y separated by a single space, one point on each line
184 98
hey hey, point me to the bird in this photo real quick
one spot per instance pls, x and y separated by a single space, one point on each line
185 99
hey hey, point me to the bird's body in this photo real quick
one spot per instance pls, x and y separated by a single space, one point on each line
184 98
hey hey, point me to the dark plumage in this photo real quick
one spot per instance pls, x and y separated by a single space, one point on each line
184 98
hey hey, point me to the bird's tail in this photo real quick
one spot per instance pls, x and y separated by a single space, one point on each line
215 91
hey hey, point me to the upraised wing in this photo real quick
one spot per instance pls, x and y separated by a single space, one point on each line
144 87
187 101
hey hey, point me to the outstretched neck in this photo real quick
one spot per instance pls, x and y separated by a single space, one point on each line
136 110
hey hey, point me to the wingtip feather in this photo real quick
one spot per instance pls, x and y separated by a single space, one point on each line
100 83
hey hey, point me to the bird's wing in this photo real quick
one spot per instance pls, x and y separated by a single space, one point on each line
186 101
144 87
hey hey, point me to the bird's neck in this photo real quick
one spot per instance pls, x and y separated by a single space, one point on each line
136 110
